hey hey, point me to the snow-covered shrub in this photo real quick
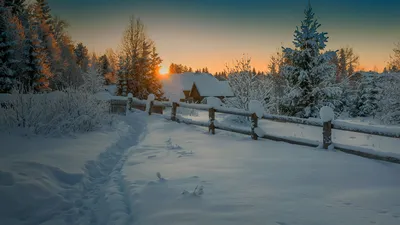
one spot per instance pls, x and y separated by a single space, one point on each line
246 86
55 113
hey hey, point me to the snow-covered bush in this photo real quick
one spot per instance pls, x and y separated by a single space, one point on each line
55 113
246 86
389 105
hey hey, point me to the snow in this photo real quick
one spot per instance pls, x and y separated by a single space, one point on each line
257 108
214 102
259 131
207 85
52 180
151 97
155 171
326 113
254 182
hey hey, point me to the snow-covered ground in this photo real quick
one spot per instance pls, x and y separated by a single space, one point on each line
254 182
56 180
137 173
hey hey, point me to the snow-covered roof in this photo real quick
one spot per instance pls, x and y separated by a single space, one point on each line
206 84
215 87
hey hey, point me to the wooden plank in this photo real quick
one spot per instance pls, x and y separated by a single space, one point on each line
368 155
286 119
233 112
365 130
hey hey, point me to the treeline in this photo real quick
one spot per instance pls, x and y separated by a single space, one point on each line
36 52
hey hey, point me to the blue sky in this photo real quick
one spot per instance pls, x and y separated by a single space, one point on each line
213 32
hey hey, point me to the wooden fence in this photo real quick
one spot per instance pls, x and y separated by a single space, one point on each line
326 132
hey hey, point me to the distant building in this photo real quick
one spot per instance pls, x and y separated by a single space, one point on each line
194 87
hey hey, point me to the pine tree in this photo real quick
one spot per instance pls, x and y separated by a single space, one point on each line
155 86
342 65
309 73
17 6
82 56
369 95
122 73
35 70
8 44
104 69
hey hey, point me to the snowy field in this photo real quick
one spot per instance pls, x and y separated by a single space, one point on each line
254 182
137 174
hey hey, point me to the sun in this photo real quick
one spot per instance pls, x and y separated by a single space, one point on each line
163 70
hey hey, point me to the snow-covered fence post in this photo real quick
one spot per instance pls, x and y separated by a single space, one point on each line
258 111
130 101
254 125
326 113
150 103
173 111
211 115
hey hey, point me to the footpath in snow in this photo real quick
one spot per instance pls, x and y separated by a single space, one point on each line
253 182
67 180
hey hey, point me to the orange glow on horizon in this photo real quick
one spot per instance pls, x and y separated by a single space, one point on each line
163 71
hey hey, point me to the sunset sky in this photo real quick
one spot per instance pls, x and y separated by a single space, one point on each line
211 33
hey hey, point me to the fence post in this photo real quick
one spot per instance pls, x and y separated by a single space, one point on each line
211 115
254 125
327 134
173 111
130 101
150 107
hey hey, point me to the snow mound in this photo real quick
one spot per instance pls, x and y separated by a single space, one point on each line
214 102
260 132
151 97
326 113
257 108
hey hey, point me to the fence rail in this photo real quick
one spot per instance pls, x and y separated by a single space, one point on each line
326 126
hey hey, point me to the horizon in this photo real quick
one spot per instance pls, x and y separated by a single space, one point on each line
212 34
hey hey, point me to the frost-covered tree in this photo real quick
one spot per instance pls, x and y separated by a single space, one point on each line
104 69
309 73
389 105
82 56
122 74
369 95
154 83
245 85
93 81
394 63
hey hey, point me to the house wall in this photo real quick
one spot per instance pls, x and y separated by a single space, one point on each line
195 94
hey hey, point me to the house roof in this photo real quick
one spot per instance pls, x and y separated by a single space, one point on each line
206 84
209 88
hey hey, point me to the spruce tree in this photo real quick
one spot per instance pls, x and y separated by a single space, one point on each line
309 73
369 95
8 43
155 86
122 73
35 69
82 56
